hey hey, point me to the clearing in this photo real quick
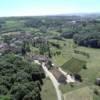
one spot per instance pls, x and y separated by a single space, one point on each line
48 90
79 94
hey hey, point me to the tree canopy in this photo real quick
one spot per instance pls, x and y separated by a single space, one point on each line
16 78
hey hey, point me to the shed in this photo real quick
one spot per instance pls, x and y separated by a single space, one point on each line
58 75
97 81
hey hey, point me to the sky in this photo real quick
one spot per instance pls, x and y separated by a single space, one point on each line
47 7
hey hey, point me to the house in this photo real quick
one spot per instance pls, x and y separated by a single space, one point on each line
58 75
97 81
3 48
40 58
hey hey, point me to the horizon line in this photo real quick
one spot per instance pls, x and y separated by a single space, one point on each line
45 15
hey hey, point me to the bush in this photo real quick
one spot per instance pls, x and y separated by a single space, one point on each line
84 67
96 92
78 77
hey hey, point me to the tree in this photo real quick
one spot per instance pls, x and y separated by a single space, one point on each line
7 39
20 78
23 51
78 77
25 48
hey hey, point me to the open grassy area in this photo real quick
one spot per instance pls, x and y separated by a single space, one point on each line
66 51
93 63
48 36
48 92
88 75
74 65
7 97
34 50
13 24
79 94
73 62
66 88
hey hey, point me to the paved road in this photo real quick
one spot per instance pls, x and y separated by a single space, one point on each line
54 81
62 71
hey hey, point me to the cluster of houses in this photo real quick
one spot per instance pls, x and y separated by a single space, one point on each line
16 42
60 77
3 48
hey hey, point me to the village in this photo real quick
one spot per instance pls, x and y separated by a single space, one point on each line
56 74
49 58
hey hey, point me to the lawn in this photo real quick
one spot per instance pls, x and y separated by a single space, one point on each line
80 94
73 62
13 24
73 65
66 51
48 92
93 65
66 88
6 97
88 75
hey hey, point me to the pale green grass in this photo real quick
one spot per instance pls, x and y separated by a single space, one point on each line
65 88
89 75
11 33
93 63
48 91
34 50
74 65
66 52
12 24
6 97
79 94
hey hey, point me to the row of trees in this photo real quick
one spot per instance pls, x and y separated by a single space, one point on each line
88 40
82 53
85 33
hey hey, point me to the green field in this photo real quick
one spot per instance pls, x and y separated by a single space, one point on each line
48 90
73 65
7 97
72 62
66 51
88 75
55 37
79 94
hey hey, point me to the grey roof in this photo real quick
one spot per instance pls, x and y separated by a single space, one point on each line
39 57
3 45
